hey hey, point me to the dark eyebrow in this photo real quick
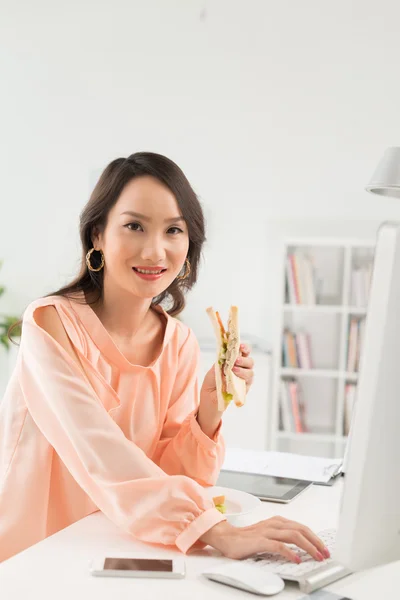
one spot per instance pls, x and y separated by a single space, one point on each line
144 218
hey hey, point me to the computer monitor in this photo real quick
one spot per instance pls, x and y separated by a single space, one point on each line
369 525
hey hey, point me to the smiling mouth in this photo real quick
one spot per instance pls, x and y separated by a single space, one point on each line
149 271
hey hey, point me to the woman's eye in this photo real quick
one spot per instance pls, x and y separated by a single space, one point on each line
133 226
176 229
138 227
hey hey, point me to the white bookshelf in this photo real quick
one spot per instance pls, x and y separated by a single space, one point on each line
337 265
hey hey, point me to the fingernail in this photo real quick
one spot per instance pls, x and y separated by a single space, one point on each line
237 362
298 560
319 556
326 553
235 369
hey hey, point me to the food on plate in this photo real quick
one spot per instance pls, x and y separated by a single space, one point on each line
219 503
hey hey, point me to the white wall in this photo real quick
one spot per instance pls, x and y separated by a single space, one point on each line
277 111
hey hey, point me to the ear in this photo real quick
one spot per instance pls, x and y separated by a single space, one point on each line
97 238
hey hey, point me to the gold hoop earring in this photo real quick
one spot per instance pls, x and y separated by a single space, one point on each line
89 266
187 270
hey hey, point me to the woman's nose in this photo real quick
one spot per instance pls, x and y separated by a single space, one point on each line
154 251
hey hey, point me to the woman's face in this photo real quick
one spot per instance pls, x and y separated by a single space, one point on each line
145 230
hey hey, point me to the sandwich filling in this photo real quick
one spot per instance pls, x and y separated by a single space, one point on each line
222 359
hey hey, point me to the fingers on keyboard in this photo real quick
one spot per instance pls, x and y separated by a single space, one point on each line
309 535
276 546
296 537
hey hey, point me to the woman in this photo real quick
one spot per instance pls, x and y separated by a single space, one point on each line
102 410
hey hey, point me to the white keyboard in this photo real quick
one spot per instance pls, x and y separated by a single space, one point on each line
310 573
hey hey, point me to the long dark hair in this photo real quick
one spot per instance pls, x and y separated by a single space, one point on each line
104 196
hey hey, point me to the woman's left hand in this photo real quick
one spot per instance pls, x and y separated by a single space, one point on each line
243 368
244 365
208 415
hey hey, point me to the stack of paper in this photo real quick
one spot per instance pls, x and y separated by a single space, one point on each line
282 464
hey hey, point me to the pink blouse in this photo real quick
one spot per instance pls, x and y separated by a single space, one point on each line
115 437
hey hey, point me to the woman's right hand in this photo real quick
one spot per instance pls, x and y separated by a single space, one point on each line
271 535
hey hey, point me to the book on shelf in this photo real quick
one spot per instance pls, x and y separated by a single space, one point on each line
300 279
349 399
355 343
360 284
292 409
296 350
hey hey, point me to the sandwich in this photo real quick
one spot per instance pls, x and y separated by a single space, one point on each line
219 503
229 386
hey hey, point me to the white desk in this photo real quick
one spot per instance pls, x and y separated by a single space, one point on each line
57 568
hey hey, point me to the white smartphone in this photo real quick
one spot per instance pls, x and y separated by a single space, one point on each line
129 565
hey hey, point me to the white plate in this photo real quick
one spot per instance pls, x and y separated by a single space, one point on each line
238 503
